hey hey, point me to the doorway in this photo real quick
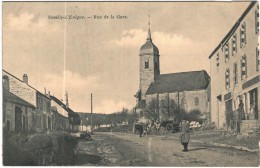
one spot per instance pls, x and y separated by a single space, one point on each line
229 112
253 99
18 119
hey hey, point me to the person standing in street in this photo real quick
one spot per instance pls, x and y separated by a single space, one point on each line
185 134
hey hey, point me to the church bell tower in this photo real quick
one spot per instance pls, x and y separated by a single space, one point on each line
149 64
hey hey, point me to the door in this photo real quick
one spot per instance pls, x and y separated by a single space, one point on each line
18 119
254 102
229 112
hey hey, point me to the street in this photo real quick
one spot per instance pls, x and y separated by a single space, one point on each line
123 149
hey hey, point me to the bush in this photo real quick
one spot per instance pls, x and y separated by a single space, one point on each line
56 148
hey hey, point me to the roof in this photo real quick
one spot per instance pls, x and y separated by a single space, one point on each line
61 104
71 113
232 30
12 97
27 84
183 81
149 47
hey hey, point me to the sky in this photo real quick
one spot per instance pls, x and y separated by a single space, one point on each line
101 56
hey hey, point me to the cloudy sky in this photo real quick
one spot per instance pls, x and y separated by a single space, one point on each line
101 56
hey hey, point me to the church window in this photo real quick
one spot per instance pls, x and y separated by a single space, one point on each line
196 101
183 102
146 64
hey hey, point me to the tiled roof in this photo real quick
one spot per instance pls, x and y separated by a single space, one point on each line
11 97
183 81
26 84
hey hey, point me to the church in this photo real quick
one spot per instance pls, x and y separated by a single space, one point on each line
160 94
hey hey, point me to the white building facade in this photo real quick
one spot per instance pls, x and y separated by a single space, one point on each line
235 71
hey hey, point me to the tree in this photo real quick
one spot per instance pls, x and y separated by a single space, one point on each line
169 107
152 110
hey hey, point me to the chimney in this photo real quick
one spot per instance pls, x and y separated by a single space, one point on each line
25 79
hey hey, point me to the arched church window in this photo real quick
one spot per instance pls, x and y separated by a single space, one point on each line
183 102
146 64
196 101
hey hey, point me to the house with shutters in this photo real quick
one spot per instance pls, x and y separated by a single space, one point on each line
235 74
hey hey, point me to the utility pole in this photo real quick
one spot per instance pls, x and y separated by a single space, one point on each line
91 112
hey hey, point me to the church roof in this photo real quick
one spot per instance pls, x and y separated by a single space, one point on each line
183 81
148 48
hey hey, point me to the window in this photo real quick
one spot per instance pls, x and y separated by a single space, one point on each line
196 101
234 44
257 59
227 76
257 20
48 106
146 64
217 60
226 52
243 67
6 82
235 73
39 102
243 35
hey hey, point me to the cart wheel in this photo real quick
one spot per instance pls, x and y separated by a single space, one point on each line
169 128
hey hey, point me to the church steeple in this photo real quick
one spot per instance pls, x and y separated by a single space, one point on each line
149 63
149 37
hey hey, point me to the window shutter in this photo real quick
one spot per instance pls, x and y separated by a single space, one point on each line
245 66
240 38
245 31
256 53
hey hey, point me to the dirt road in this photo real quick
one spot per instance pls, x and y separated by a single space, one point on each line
121 149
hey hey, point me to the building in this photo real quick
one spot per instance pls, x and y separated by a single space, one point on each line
161 94
235 73
60 115
64 118
16 112
34 110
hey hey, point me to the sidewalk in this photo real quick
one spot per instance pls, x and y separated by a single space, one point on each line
224 139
